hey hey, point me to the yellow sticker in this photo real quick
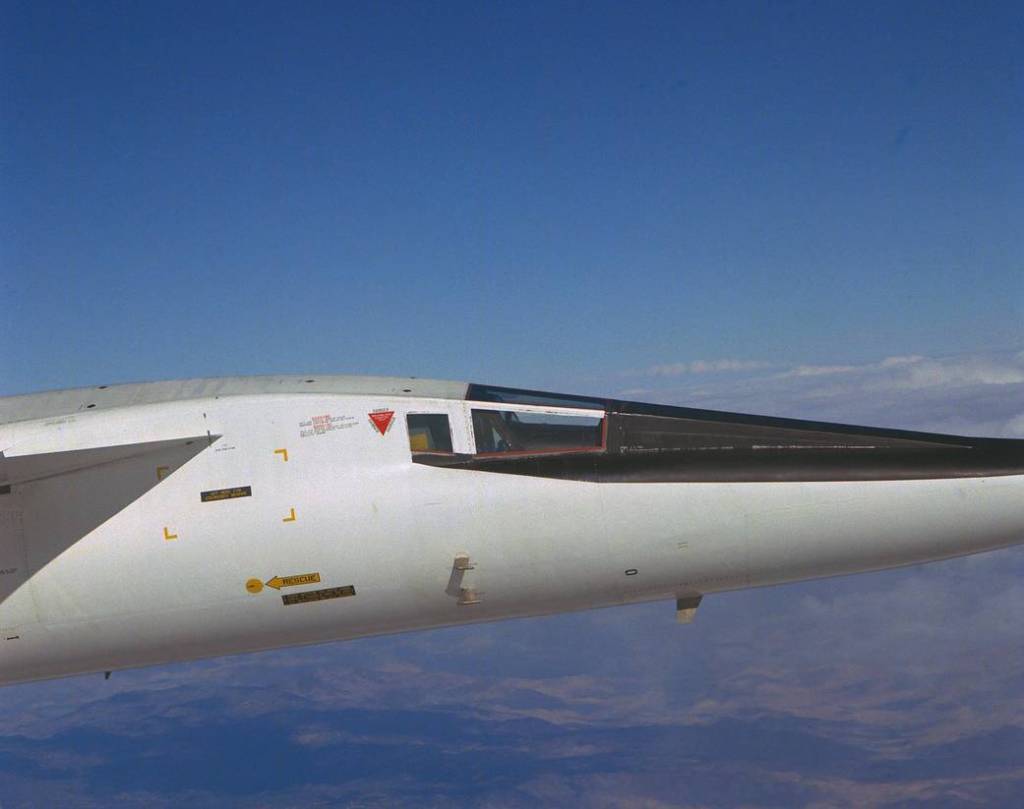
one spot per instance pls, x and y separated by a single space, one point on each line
254 586
293 581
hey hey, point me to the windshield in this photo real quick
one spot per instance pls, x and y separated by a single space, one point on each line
529 431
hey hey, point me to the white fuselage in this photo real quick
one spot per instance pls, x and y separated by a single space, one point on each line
95 587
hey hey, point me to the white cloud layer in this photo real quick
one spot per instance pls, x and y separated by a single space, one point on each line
980 393
701 367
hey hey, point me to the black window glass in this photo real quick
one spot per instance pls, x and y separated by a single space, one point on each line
516 431
429 432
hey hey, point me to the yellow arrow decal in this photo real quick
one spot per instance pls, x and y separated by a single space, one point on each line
292 581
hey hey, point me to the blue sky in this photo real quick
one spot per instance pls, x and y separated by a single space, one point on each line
537 194
805 209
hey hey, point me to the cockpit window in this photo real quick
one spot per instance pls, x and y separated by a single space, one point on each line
529 431
429 432
513 396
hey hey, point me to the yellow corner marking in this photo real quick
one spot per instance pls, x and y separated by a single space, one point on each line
283 453
168 534
254 586
162 472
290 517
292 581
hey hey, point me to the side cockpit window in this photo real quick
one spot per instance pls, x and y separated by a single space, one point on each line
429 432
531 431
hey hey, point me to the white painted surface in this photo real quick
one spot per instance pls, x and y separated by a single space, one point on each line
99 587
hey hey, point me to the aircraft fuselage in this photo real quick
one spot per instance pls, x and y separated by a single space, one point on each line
176 521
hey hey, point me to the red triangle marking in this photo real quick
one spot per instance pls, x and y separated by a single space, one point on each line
382 420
